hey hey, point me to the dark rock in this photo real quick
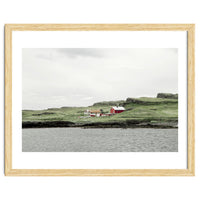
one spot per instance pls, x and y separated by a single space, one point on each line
124 124
47 124
167 96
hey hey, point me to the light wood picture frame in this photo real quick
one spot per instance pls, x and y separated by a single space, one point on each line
190 171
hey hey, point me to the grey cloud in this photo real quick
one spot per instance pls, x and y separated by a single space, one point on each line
81 52
81 77
62 53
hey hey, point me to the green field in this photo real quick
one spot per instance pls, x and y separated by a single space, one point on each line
151 109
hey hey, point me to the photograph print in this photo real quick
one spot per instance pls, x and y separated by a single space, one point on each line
100 100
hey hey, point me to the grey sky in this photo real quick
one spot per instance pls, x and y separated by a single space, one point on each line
80 77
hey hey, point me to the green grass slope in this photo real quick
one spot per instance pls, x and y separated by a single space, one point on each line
151 109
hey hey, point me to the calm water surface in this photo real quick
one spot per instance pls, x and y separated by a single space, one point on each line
99 140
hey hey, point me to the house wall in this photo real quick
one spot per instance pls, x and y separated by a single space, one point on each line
112 110
119 111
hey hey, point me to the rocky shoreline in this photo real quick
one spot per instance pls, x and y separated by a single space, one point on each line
124 124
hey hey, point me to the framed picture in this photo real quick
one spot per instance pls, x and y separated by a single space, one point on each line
99 99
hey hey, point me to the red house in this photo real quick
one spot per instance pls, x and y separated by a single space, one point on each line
116 109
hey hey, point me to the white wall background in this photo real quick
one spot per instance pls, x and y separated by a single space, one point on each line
104 11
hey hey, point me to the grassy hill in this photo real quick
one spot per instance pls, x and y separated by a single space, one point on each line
151 110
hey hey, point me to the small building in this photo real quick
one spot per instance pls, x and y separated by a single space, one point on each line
94 113
117 109
87 112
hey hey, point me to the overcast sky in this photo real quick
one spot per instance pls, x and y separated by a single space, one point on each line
80 77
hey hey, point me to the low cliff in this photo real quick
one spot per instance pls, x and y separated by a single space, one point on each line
167 96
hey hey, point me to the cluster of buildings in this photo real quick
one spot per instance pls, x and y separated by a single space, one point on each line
99 113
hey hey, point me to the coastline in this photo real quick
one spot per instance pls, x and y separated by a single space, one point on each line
144 112
124 124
